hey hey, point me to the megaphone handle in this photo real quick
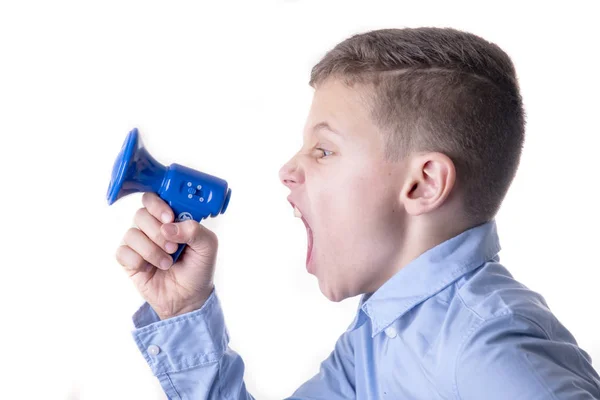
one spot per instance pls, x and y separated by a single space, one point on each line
178 252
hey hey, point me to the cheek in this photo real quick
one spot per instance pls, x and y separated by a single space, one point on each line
349 203
361 228
350 214
339 206
356 201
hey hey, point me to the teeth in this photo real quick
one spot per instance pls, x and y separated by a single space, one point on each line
297 213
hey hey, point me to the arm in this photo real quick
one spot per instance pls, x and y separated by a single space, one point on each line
190 356
335 379
512 357
189 353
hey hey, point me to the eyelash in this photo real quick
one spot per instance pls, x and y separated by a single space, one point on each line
326 151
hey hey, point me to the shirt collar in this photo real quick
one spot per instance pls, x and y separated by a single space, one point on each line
427 275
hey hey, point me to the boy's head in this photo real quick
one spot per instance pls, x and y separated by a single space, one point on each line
413 136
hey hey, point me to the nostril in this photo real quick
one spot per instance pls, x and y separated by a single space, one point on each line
285 174
290 174
289 182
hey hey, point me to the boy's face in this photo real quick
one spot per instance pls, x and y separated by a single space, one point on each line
348 194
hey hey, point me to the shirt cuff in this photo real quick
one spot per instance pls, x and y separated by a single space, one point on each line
145 315
186 341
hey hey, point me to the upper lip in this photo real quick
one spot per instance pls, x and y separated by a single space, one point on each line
301 212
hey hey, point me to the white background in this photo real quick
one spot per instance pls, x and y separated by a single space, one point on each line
222 87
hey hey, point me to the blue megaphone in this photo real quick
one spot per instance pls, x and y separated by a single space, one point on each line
191 194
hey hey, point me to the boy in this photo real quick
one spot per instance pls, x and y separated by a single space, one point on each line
411 143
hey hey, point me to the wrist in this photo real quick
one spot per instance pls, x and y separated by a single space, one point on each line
188 307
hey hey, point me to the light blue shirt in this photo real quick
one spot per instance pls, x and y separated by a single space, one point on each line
451 324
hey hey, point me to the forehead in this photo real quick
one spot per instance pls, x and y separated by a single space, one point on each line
343 109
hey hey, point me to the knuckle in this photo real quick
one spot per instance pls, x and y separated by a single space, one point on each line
203 234
191 226
215 244
147 198
194 229
212 237
119 255
154 255
140 214
137 260
128 258
130 234
157 237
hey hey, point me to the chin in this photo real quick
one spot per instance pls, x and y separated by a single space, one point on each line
332 294
334 298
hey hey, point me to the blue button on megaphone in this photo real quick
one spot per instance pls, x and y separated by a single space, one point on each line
191 194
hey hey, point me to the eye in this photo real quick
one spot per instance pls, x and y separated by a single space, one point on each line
324 152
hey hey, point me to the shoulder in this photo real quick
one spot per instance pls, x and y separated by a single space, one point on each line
513 344
498 306
489 299
492 292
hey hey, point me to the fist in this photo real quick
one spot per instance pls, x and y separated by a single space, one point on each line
145 254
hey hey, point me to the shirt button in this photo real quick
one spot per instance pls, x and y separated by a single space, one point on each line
153 349
390 331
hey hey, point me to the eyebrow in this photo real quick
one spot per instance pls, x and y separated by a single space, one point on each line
325 125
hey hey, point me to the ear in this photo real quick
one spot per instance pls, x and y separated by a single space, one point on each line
430 178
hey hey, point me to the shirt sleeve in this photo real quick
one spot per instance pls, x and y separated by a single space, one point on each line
336 377
190 356
512 357
189 353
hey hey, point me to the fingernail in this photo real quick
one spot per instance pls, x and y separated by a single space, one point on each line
165 263
166 217
171 229
170 246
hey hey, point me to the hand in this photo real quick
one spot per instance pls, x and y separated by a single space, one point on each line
175 289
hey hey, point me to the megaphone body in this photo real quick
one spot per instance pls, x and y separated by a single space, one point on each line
191 194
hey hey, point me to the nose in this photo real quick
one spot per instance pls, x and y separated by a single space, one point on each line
290 174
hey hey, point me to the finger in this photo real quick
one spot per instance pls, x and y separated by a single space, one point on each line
131 261
150 251
157 207
150 226
192 233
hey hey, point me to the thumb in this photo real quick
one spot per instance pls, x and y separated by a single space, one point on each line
189 232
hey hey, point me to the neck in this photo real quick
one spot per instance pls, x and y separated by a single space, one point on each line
419 235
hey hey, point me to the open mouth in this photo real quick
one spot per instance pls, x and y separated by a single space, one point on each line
309 234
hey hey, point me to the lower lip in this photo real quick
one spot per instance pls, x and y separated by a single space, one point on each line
309 266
